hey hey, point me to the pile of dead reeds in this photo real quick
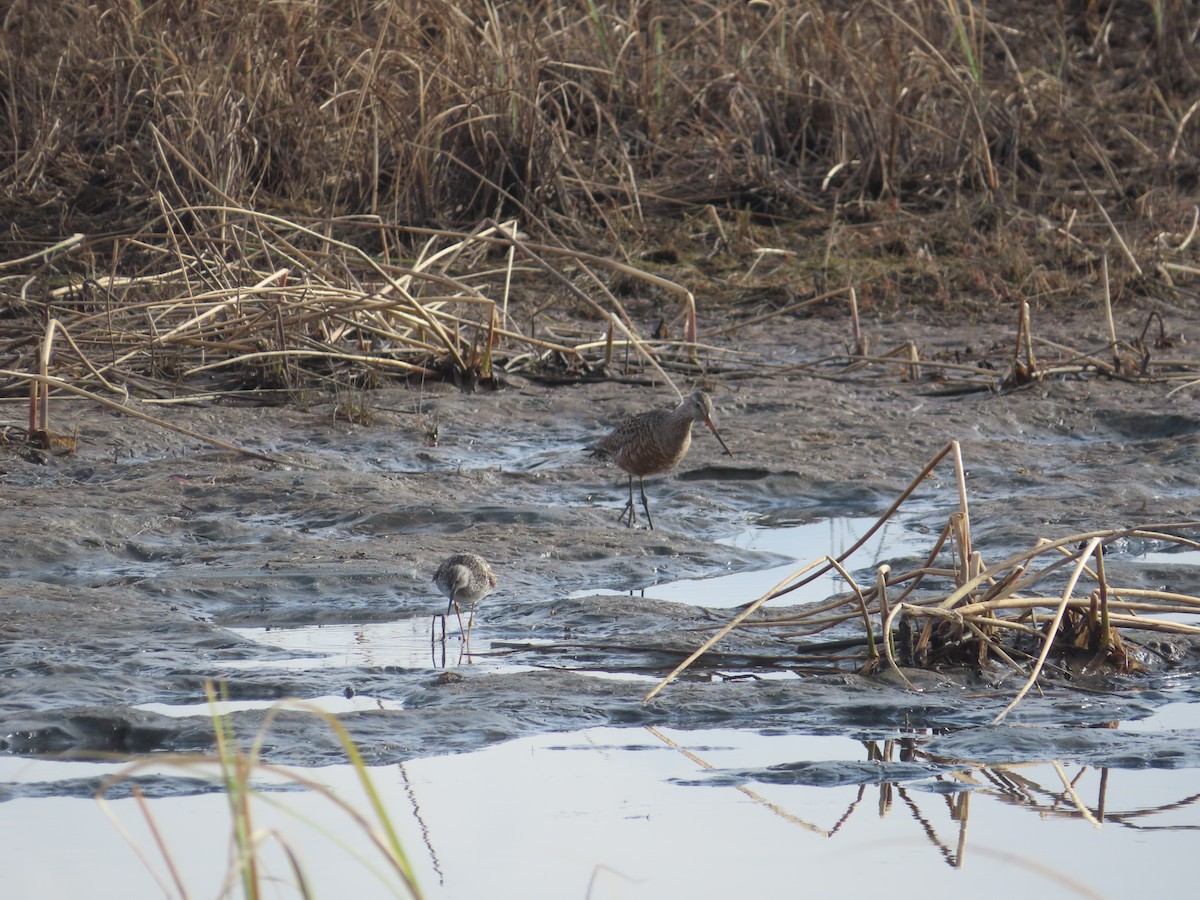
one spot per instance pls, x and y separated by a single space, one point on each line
989 614
254 305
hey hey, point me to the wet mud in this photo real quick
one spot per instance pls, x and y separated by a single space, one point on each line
133 571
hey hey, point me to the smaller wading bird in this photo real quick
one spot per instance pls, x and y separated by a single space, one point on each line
464 578
654 442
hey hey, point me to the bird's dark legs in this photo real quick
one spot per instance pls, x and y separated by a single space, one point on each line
629 513
629 507
645 505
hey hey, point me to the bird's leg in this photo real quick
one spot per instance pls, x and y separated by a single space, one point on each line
470 625
629 507
457 612
645 505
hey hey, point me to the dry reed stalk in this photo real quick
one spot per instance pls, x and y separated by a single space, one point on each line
615 321
1001 585
796 579
856 332
64 246
738 619
39 408
872 652
50 381
1108 314
1109 222
1051 631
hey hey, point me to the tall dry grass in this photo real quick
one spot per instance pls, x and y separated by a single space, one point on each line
930 151
448 113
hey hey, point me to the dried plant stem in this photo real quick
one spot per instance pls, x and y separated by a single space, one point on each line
879 523
47 253
1108 313
872 652
49 381
1051 630
732 624
1108 221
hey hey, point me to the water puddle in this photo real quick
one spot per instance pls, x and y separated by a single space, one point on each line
333 705
1168 717
647 812
801 544
405 644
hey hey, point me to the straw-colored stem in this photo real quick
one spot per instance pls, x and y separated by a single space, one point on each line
1051 630
732 624
872 652
50 381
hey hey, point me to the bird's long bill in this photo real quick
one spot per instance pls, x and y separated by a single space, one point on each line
720 440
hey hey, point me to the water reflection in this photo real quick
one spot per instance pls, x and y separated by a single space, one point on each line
653 812
939 802
878 797
415 643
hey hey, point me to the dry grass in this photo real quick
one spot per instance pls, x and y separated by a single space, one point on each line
207 198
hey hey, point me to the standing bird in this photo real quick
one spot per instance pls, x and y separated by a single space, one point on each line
654 442
464 578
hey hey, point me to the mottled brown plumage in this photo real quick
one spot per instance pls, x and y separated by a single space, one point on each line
654 442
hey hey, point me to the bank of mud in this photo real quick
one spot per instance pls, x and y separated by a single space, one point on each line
126 564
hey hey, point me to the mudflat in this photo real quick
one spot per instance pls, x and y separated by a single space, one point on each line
126 564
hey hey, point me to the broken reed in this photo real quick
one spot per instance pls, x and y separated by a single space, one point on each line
990 607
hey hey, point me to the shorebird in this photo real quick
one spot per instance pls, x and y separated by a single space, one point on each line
654 442
464 578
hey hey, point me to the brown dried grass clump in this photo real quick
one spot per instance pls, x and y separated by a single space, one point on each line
587 114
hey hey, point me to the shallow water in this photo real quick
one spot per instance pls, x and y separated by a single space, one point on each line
648 812
799 544
407 644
